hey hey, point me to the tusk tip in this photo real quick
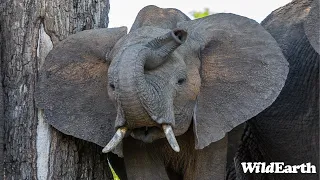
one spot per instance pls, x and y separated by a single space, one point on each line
176 149
106 150
171 137
116 139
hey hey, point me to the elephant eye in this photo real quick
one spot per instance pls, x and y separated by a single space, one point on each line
181 81
112 86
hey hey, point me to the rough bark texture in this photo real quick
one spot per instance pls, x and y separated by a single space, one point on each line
32 149
1 119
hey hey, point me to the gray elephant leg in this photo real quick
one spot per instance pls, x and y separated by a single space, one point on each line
234 141
248 151
211 161
141 164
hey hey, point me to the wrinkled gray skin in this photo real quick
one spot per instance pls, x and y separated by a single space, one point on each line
288 131
200 77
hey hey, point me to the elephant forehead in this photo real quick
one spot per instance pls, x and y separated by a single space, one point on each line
147 32
138 37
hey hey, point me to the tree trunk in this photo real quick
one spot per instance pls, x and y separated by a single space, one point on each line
31 148
1 119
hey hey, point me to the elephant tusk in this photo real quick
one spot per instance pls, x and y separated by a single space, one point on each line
170 137
116 139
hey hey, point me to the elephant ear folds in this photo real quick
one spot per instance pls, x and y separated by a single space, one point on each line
72 86
242 72
312 26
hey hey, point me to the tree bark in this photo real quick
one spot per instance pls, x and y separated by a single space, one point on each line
1 119
32 149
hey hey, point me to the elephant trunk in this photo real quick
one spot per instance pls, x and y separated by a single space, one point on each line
140 100
132 85
161 47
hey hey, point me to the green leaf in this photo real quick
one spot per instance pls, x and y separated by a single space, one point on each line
201 14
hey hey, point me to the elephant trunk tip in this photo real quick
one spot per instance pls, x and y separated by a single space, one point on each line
169 41
179 35
161 47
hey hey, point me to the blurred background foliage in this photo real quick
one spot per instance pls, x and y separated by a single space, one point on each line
201 14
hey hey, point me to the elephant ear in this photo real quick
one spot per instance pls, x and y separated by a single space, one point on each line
312 26
242 72
165 18
72 86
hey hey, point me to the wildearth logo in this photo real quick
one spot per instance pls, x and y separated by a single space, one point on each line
277 167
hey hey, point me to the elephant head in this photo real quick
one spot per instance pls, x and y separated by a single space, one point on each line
159 80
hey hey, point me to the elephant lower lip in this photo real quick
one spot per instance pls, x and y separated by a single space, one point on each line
147 134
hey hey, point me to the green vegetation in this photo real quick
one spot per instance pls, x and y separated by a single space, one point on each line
115 177
201 14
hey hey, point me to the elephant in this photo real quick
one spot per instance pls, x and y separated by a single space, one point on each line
288 130
163 96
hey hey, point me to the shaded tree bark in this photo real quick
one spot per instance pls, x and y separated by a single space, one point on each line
1 119
32 149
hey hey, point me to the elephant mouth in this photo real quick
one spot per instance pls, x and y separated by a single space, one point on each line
146 134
